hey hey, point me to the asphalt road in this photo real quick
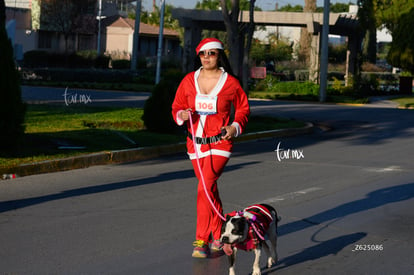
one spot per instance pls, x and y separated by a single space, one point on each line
345 200
69 96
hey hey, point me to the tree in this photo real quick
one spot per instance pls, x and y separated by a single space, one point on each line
247 46
339 7
68 17
305 36
12 109
388 12
212 5
153 18
208 5
397 17
278 49
366 15
239 37
290 8
401 53
231 18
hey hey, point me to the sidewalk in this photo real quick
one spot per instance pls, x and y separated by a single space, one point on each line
129 155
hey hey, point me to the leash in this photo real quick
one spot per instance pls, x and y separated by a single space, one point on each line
249 216
199 168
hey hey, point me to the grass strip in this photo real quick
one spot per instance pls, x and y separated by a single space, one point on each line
60 131
405 102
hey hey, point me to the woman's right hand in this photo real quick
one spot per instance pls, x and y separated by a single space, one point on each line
185 115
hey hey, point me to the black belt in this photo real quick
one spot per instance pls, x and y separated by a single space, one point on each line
206 140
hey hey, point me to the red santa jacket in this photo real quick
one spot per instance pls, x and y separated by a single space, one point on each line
227 92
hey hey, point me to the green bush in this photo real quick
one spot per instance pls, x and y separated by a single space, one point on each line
121 64
82 59
267 83
35 59
298 88
157 110
102 62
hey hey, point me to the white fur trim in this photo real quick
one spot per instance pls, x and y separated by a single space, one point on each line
211 45
179 120
238 128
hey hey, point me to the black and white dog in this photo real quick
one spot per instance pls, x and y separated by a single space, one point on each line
249 230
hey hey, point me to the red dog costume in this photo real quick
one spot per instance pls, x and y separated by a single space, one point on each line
212 112
262 222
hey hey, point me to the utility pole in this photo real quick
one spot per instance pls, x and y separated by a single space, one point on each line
324 53
135 42
160 38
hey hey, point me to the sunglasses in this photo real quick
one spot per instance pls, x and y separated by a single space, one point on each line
207 53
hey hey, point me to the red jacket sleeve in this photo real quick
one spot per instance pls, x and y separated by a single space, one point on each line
241 107
181 97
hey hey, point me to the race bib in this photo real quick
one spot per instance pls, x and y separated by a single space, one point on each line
206 105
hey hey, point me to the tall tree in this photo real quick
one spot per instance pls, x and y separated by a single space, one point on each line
12 109
366 15
305 36
388 12
248 45
153 18
398 17
231 21
238 36
401 53
68 17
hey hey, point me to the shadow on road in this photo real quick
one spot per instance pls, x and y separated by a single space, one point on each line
332 246
372 200
21 203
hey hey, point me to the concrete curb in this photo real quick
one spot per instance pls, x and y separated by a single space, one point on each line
130 155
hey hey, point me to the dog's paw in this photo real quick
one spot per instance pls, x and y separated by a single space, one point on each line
270 262
256 271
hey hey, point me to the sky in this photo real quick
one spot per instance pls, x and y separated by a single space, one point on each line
263 4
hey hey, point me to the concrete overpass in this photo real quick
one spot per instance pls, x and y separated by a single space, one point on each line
194 21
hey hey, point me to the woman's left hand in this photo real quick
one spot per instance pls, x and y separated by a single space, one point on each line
230 132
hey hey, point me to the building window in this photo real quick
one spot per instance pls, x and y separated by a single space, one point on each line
86 42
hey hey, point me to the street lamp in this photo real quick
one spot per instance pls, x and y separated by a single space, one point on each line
160 38
134 57
99 18
324 53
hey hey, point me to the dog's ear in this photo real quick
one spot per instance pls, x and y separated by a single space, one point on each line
223 228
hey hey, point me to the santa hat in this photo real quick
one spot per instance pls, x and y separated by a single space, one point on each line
208 44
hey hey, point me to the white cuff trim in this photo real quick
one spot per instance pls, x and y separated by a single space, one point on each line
178 119
238 128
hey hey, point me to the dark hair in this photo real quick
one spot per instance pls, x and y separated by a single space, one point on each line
222 61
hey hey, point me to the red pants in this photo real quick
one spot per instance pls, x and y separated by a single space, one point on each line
207 219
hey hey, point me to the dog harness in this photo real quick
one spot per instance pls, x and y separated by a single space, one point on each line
263 219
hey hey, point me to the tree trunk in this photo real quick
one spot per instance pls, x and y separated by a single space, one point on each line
2 13
246 54
233 35
305 36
